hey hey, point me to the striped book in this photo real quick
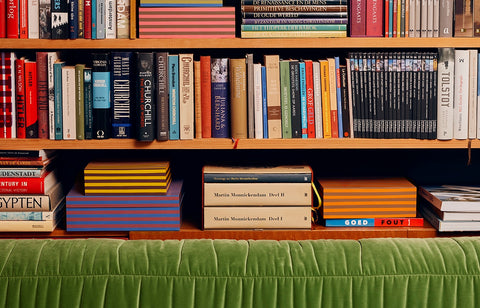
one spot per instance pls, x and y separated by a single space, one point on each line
368 198
186 22
173 3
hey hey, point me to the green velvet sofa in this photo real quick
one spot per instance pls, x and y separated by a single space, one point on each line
440 272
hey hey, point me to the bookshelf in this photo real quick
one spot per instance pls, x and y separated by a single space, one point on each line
227 147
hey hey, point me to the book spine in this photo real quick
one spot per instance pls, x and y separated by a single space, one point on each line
31 106
174 124
42 94
73 19
23 19
79 101
257 80
338 97
145 97
60 20
317 92
285 99
238 98
373 18
122 94
310 99
45 19
94 19
295 99
198 98
3 18
463 19
375 222
295 8
472 92
460 120
87 27
101 19
357 20
22 186
249 61
110 19
88 102
187 105
264 102
57 71
52 57
303 99
20 97
257 217
274 116
291 27
123 19
33 19
101 95
220 101
81 19
12 12
325 79
28 226
251 194
290 15
69 103
346 132
333 97
20 172
294 21
133 19
206 96
161 69
291 2
257 177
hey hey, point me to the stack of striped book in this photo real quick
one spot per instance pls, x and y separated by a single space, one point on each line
386 202
125 196
294 18
185 19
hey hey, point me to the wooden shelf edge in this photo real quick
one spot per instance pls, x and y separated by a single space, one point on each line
239 43
225 143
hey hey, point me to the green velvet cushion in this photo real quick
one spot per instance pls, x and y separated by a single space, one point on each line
441 272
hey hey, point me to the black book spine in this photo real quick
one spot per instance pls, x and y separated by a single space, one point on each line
122 94
433 100
345 100
101 95
60 22
161 69
295 99
145 109
88 100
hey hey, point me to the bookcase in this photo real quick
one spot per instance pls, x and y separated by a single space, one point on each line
421 160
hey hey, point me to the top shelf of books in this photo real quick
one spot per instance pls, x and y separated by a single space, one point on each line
239 43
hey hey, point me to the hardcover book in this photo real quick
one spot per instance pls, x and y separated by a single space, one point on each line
258 104
238 98
88 102
122 94
33 202
145 97
31 100
101 95
69 103
80 101
358 18
7 95
52 57
464 18
452 198
173 97
460 111
295 99
57 75
274 110
446 18
220 98
161 70
186 94
123 19
59 19
20 185
375 222
206 95
285 99
250 174
19 97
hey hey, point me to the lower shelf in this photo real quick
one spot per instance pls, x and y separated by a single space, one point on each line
63 234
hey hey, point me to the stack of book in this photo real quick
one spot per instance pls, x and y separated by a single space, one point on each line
293 18
125 196
365 202
451 207
185 19
257 197
32 196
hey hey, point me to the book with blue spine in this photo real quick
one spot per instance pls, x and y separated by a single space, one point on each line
220 98
264 102
339 97
57 73
173 88
122 62
303 99
88 102
101 95
94 19
73 19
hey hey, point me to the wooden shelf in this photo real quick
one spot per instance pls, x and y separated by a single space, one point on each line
61 233
225 143
239 43
190 231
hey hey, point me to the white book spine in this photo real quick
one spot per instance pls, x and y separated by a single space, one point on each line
424 18
472 99
418 18
446 93
317 91
68 103
411 19
111 19
257 80
478 97
436 18
33 21
430 18
186 96
51 58
460 120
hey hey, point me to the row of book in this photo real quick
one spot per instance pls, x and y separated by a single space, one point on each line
309 18
162 96
414 18
67 19
185 19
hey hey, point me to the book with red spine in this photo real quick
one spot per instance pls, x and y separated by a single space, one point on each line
23 19
357 18
206 95
12 19
20 97
87 26
31 106
374 18
375 222
3 19
310 99
7 95
42 96
24 185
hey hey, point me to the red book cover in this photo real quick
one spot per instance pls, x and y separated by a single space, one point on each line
394 21
23 19
6 95
3 19
20 97
310 99
206 96
386 15
42 94
31 106
12 19
87 26
22 185
374 20
357 19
